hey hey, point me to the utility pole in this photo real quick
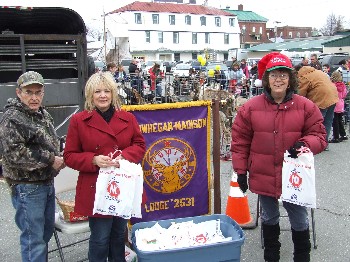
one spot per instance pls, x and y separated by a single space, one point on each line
276 23
104 34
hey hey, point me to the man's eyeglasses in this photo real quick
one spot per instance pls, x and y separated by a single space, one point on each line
31 93
280 76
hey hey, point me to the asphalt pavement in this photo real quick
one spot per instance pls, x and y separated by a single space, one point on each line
332 217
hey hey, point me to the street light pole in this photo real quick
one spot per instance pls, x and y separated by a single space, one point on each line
276 22
243 30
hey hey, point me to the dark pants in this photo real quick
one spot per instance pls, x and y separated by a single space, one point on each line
338 126
328 114
107 239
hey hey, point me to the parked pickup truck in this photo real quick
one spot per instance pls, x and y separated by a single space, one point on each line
51 41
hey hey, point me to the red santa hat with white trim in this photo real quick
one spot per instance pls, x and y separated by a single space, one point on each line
270 62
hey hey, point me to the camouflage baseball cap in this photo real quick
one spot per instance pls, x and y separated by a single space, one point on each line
29 78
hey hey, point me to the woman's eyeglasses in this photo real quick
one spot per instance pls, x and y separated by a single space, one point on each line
280 76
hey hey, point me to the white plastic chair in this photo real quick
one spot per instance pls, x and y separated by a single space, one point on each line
66 181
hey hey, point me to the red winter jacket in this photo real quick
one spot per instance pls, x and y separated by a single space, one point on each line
263 131
90 135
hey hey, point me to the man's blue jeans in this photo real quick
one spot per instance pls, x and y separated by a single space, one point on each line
298 216
35 217
107 239
328 114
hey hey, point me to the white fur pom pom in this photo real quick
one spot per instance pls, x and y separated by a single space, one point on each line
258 83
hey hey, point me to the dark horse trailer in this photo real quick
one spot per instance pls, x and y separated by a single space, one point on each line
51 41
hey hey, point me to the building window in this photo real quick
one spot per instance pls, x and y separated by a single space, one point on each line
253 29
281 34
194 56
160 37
306 34
218 21
194 38
203 20
226 39
177 57
175 37
231 21
207 38
188 20
260 30
268 35
148 36
172 19
298 34
290 35
155 18
138 18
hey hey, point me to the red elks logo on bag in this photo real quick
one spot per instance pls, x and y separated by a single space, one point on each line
201 239
113 189
295 179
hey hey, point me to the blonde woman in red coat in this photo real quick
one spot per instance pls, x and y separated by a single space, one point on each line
100 129
264 128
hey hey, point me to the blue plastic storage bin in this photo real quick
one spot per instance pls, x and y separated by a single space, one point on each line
229 251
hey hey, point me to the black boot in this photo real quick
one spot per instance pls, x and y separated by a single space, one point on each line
271 244
302 245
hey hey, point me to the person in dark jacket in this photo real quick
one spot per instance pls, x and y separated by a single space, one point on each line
314 62
31 159
137 87
254 69
133 68
265 127
101 129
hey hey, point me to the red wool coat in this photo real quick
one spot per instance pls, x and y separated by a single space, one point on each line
90 135
263 131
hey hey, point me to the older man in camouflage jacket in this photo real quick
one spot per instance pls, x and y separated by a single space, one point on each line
30 150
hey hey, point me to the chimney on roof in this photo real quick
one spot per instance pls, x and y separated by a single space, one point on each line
240 7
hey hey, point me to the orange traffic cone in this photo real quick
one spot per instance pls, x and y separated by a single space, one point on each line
237 204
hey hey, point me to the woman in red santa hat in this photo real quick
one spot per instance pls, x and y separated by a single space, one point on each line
265 127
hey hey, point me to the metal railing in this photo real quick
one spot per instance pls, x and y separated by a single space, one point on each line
137 89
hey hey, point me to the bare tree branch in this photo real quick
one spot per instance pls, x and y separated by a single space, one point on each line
333 24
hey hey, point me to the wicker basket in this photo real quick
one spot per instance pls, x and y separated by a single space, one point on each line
67 207
69 215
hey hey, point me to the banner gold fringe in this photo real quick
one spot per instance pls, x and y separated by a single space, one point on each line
149 107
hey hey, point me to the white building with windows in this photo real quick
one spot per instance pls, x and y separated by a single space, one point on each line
174 32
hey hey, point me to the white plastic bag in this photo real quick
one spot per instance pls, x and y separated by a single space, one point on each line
119 190
298 179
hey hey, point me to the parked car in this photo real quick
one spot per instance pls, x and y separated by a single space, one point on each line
196 65
213 66
296 60
168 65
182 70
333 60
126 63
99 66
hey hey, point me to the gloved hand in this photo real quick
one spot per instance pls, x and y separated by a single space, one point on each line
293 150
242 182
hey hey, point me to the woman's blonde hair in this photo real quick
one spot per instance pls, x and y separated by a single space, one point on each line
98 80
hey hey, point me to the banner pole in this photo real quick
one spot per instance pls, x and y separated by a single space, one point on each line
216 156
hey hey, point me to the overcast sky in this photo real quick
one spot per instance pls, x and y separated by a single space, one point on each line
312 13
